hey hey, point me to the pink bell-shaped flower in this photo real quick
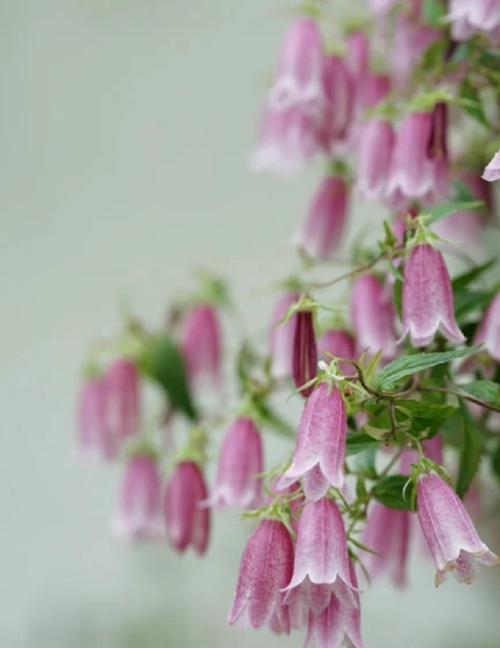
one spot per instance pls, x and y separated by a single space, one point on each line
238 481
375 150
321 556
123 400
492 171
387 532
470 17
488 332
187 520
282 336
321 232
95 438
450 534
338 625
265 569
373 316
305 352
412 39
339 343
140 512
201 347
339 103
428 298
318 458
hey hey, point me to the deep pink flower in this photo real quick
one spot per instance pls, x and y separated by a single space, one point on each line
322 230
123 400
488 332
492 171
428 298
339 343
201 347
265 569
339 103
282 336
140 515
373 316
95 439
305 352
321 556
376 88
338 625
187 520
374 158
319 453
387 532
358 57
450 534
469 17
300 69
238 481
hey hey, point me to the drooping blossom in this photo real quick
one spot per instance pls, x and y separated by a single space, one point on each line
387 532
338 625
201 347
265 569
412 38
428 298
95 440
376 88
238 481
318 458
470 17
339 343
322 230
305 352
492 171
122 400
374 158
373 316
187 520
321 556
358 57
450 534
139 515
282 336
338 108
488 332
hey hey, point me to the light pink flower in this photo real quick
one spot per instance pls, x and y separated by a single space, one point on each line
492 171
387 532
358 57
140 512
381 6
187 521
123 400
338 625
322 230
433 449
428 298
339 343
450 534
374 158
305 352
201 347
95 438
373 316
488 332
469 17
266 567
321 556
282 336
238 481
412 39
319 453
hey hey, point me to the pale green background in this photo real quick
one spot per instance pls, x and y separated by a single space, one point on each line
125 129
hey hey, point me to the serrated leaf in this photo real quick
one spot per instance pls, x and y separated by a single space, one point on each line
465 279
408 365
485 390
446 209
470 455
163 362
426 410
358 441
389 492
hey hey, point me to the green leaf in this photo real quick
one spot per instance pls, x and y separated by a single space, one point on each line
267 417
398 297
470 455
495 462
467 302
408 365
472 103
446 209
426 410
163 363
485 390
364 463
389 492
466 278
433 12
358 442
